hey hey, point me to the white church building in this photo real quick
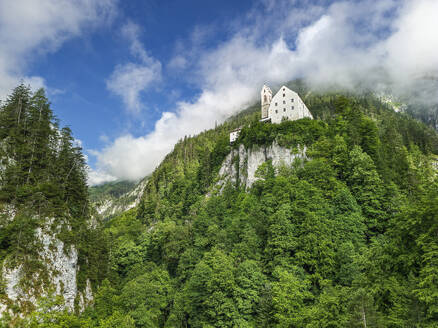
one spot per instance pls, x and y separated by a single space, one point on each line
286 105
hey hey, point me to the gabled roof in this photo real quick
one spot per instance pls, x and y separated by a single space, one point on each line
285 87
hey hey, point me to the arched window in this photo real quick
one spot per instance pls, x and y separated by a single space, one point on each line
265 98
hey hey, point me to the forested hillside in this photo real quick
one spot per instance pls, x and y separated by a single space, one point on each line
346 237
48 242
110 189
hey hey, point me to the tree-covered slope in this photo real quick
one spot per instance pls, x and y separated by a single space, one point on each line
345 237
48 244
110 189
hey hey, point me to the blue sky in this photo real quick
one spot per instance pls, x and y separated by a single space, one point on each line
132 77
81 67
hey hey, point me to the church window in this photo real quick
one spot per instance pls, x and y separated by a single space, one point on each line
292 107
284 109
265 98
292 100
284 95
275 104
284 101
276 111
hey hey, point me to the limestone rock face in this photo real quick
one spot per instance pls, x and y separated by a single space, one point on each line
57 273
240 165
86 298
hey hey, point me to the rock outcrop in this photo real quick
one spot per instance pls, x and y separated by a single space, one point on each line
241 164
56 273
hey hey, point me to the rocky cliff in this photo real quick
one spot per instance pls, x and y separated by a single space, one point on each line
241 164
54 271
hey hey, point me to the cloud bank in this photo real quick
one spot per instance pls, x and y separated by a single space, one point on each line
29 28
384 45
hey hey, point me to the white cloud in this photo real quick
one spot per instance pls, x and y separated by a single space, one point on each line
36 82
347 44
96 177
129 80
30 28
412 50
127 156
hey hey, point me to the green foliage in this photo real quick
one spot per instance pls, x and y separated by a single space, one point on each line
146 298
117 319
290 295
367 188
288 133
49 315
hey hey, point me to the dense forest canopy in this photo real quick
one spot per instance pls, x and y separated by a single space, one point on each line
346 238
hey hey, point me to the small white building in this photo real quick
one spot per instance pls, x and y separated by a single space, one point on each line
234 135
285 105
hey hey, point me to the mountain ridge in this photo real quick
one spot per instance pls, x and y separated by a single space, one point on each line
113 198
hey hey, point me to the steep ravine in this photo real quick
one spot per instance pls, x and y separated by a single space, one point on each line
109 206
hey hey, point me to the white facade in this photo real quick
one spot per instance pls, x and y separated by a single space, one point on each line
234 135
286 105
266 97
